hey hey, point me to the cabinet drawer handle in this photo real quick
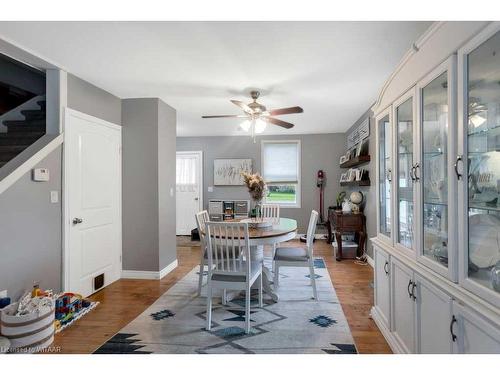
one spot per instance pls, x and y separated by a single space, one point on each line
452 323
413 291
385 267
409 284
417 166
459 159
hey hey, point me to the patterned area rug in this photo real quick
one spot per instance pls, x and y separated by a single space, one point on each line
175 323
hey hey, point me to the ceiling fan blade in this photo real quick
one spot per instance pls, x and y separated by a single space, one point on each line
285 111
226 116
275 121
243 106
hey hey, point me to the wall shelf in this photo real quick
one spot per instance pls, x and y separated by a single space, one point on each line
356 183
358 160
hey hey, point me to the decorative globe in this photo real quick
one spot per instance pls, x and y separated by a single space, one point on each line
356 197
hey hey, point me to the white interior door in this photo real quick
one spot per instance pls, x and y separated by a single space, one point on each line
92 167
189 186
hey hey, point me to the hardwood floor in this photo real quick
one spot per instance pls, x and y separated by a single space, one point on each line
125 299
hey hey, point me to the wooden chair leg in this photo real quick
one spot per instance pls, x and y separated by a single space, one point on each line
247 309
209 306
313 280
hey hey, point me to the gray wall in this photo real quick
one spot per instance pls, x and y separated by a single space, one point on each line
148 172
319 151
370 206
30 232
90 99
167 121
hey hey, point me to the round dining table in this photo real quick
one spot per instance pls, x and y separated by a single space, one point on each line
282 229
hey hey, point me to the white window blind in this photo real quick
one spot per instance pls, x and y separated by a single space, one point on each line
281 162
185 173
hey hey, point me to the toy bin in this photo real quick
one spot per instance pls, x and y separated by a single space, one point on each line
27 333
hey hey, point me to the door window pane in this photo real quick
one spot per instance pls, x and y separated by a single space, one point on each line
483 138
404 122
384 129
434 169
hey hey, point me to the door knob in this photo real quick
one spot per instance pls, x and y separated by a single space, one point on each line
77 220
196 198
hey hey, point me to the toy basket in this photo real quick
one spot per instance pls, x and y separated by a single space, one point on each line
27 333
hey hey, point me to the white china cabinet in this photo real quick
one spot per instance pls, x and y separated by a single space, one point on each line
437 249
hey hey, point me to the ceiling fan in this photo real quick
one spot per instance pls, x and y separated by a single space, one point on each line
258 116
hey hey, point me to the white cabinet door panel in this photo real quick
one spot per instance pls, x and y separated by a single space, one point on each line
433 319
382 285
474 335
403 306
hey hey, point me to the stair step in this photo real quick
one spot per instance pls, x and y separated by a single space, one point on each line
34 114
35 123
23 134
42 104
19 140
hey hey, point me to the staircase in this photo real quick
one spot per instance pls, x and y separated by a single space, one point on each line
21 133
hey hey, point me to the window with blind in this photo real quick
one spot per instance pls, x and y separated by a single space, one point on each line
281 171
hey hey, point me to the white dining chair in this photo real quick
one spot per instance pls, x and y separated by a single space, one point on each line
202 218
226 270
270 211
298 256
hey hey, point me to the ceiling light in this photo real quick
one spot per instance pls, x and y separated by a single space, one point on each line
245 125
260 126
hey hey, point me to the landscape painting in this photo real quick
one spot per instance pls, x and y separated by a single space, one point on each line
228 171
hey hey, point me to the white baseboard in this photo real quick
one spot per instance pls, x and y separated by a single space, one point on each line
370 261
149 275
169 268
389 337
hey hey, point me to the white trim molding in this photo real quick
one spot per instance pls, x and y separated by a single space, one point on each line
370 261
150 275
11 179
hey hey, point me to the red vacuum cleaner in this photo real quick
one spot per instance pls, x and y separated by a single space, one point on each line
320 183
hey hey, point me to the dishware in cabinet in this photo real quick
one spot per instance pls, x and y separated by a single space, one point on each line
434 173
478 164
405 149
384 172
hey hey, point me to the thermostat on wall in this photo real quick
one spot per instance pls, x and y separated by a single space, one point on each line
41 174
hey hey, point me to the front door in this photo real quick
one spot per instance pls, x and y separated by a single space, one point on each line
189 190
92 167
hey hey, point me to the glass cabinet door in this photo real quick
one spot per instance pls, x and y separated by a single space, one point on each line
385 175
482 122
405 172
434 162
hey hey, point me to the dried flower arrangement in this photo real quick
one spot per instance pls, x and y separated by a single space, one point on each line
255 184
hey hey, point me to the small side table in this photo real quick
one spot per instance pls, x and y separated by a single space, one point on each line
347 223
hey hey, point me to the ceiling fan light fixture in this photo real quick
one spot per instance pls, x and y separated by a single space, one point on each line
260 126
245 125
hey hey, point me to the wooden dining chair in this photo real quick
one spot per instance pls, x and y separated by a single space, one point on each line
226 270
298 256
270 210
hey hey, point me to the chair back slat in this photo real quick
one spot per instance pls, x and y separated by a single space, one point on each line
228 243
269 210
202 218
311 230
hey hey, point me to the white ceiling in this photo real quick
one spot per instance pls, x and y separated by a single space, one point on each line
334 70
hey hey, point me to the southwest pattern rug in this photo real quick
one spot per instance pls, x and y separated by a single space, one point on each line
175 323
